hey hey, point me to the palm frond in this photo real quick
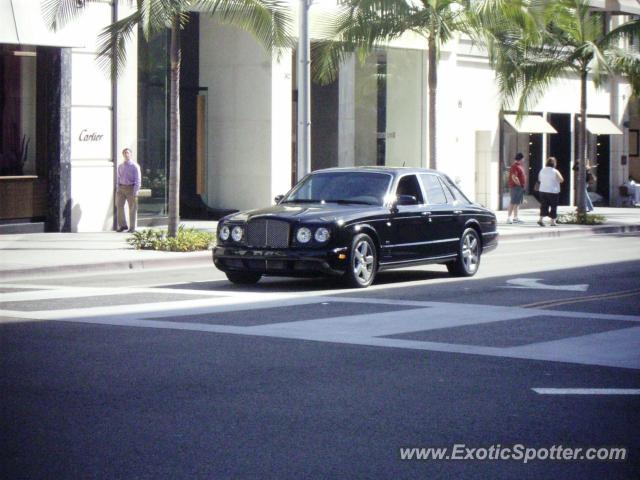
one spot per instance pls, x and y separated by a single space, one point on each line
360 29
58 13
156 15
112 44
626 62
267 20
628 31
364 25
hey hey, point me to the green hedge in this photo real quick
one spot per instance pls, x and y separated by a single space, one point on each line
584 219
186 240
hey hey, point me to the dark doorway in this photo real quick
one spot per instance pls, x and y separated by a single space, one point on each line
535 160
603 168
559 146
324 120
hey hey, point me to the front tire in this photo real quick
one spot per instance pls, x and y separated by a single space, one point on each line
363 262
469 251
243 278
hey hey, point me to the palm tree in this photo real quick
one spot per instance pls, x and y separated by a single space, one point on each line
533 43
367 24
267 20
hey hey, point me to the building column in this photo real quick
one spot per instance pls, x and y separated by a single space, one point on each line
54 133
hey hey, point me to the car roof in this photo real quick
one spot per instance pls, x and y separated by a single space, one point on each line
379 169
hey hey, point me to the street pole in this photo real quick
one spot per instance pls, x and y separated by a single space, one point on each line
304 91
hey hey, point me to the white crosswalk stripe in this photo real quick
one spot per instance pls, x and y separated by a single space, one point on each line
617 346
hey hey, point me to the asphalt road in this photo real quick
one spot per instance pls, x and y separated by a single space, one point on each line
178 374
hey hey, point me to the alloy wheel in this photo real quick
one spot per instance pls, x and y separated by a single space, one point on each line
470 253
363 262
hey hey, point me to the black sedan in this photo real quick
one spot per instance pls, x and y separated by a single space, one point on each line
354 222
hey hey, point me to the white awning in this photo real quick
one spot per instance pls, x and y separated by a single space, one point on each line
23 25
601 4
602 126
631 7
530 124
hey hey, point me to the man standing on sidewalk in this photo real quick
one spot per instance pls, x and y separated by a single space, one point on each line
127 188
516 188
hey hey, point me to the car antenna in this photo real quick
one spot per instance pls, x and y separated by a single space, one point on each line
404 163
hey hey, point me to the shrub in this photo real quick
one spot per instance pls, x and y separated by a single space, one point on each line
186 240
582 219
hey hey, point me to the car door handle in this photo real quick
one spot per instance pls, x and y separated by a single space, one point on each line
457 212
425 214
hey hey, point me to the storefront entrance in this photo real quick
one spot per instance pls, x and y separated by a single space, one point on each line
559 146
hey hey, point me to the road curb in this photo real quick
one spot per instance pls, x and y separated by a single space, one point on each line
196 259
193 260
562 231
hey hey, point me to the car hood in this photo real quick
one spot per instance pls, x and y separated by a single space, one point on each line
329 212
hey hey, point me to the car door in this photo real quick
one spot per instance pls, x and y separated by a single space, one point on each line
409 224
444 217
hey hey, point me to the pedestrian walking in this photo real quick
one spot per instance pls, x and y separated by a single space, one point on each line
127 189
516 188
590 181
549 191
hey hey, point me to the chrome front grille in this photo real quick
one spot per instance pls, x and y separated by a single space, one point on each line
264 232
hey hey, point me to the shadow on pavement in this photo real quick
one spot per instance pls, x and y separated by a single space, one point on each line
289 284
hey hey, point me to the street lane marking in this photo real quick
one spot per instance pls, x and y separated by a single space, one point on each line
534 283
617 348
588 298
587 391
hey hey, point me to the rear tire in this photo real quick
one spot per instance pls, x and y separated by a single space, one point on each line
363 262
243 278
469 251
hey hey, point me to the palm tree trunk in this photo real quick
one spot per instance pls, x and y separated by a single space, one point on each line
581 201
433 85
174 131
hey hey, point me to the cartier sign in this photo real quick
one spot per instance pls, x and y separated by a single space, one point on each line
86 136
91 133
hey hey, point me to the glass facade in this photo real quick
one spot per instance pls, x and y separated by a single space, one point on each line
153 105
17 111
373 114
389 110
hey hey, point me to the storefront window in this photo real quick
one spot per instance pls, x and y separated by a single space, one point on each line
388 110
17 111
372 115
153 105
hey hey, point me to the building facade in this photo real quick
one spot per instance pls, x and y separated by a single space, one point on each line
64 121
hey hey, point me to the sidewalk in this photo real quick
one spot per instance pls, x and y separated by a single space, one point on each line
39 254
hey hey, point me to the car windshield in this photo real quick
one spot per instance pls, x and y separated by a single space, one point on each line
366 188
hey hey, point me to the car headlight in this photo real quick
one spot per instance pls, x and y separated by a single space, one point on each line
303 235
322 235
236 233
224 233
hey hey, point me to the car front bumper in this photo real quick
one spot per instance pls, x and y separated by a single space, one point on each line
282 262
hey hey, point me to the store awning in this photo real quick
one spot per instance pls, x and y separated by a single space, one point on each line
631 7
627 7
530 124
23 25
602 126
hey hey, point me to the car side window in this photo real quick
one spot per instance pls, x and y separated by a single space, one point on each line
460 198
433 189
447 192
409 185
